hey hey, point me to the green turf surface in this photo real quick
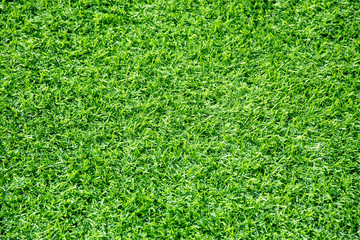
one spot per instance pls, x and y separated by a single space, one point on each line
179 119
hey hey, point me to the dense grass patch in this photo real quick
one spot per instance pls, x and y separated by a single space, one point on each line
179 119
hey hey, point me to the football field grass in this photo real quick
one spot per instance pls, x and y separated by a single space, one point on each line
179 119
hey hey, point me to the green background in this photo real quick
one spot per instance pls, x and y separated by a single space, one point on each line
179 119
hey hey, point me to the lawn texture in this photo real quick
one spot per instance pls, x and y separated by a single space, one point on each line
179 119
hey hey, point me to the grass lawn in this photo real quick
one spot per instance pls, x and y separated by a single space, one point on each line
179 119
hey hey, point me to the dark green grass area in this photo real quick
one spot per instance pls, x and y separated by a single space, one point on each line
179 119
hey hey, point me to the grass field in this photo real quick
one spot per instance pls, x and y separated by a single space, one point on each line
179 119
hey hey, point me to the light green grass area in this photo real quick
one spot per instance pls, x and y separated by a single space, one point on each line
179 119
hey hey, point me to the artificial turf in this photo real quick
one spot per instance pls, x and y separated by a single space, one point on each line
179 119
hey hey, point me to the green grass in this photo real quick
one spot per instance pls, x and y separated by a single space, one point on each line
179 119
